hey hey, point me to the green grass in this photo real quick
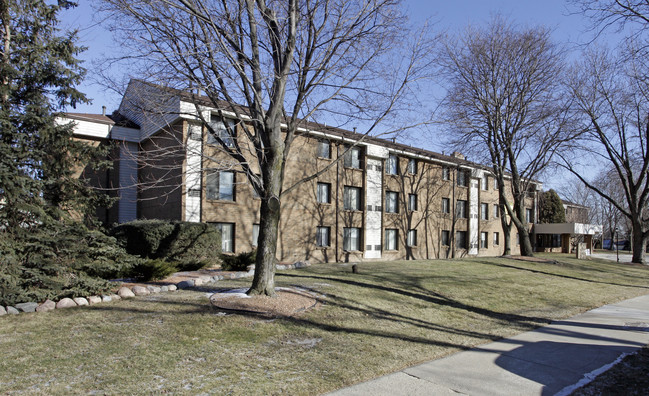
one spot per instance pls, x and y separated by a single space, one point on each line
389 316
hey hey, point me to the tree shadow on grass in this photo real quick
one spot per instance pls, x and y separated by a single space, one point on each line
436 298
537 271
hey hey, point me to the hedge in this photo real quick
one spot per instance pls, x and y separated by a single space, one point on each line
189 245
57 260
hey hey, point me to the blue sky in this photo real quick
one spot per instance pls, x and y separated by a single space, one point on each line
447 15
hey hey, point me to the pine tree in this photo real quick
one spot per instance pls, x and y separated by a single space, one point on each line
38 75
551 208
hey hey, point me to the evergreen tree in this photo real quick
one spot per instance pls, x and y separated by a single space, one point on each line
551 208
38 75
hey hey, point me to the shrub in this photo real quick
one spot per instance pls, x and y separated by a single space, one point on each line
238 262
56 260
152 270
189 245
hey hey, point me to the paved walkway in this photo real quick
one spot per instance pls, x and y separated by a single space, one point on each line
551 360
624 257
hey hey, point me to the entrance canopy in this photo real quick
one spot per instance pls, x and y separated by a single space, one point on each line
568 228
565 235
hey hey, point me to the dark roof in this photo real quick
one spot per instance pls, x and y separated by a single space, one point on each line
115 119
314 126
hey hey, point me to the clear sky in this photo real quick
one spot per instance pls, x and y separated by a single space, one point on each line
448 15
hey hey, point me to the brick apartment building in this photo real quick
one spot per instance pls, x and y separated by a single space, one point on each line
376 200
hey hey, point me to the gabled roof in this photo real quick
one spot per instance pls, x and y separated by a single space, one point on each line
310 126
113 119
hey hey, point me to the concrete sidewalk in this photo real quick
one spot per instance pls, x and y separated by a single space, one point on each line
554 359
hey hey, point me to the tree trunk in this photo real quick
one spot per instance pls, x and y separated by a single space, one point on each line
263 282
638 240
526 244
507 228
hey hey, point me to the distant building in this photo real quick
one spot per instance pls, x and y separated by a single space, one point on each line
564 237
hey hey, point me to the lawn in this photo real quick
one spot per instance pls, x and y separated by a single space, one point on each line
388 316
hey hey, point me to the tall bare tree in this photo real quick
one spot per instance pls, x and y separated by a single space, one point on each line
283 61
616 14
504 106
612 102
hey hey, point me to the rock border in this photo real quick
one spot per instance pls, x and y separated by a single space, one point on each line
194 278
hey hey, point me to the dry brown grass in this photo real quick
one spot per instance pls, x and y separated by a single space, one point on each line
389 316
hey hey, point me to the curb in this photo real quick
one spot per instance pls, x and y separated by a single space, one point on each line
139 289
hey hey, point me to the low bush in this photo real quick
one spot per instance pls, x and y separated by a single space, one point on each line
238 262
152 270
58 259
188 245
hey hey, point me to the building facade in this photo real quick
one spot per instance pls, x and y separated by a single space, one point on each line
372 199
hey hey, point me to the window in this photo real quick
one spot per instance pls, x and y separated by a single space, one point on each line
446 205
518 239
529 215
224 129
322 236
412 202
351 239
484 211
460 240
227 236
412 238
446 173
391 202
324 149
445 237
194 132
352 158
495 183
391 237
483 240
412 166
324 192
496 239
460 209
496 211
484 182
255 234
352 198
220 185
462 179
392 166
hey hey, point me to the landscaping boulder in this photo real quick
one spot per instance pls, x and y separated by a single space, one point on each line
94 300
3 311
125 292
153 289
172 288
164 288
48 305
140 291
106 298
12 310
186 284
66 303
80 301
27 306
115 297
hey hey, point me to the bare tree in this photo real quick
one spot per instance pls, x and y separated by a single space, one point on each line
504 105
284 62
612 102
616 14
